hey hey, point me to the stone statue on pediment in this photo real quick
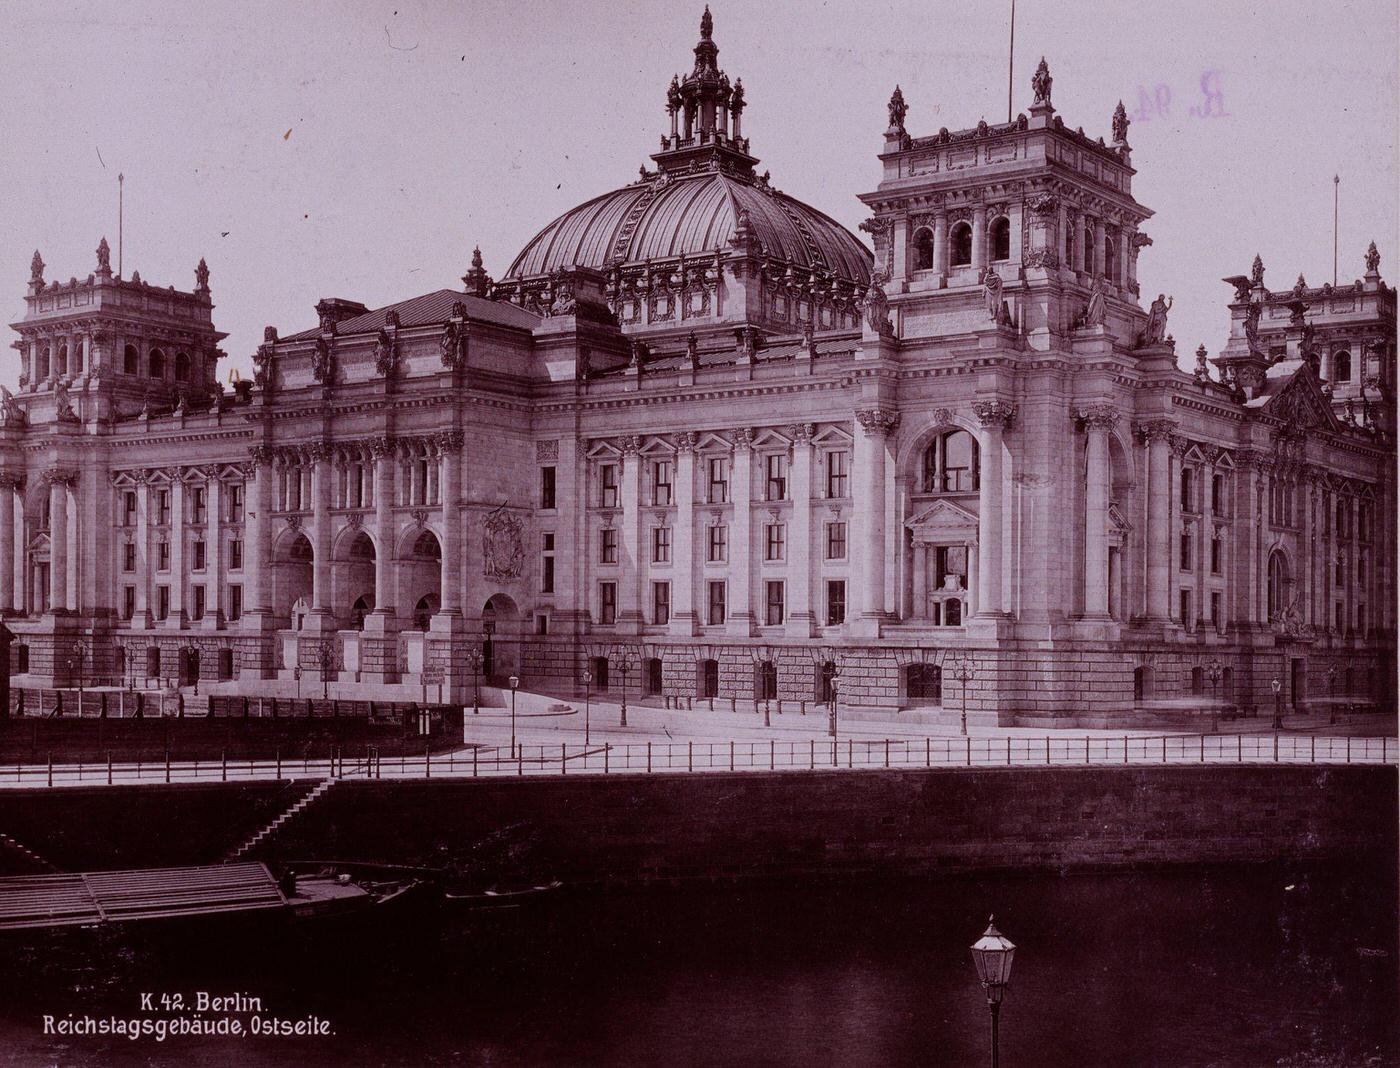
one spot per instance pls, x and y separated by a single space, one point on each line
992 295
1096 310
1156 330
11 414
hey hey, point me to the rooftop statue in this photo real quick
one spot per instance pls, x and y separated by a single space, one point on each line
1041 82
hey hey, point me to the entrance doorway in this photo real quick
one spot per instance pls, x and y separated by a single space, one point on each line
653 677
189 666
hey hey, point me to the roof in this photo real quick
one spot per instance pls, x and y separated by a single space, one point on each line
668 216
430 308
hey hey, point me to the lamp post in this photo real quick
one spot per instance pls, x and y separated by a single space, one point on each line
1214 670
474 659
963 672
75 667
992 954
1332 693
587 704
831 715
626 661
326 662
514 685
1276 684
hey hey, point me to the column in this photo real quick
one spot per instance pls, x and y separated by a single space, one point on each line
384 450
979 238
683 570
8 484
629 605
1158 436
920 583
142 616
876 424
213 550
178 575
1206 473
257 552
449 445
1063 247
1077 237
1354 588
1100 246
321 475
741 615
800 617
1179 446
994 416
58 539
1097 421
1125 260
940 243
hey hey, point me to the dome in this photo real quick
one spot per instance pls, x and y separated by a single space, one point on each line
690 214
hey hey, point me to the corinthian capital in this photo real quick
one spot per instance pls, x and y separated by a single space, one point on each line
320 451
60 476
382 445
994 413
1097 416
1156 430
449 440
685 441
261 455
801 432
877 421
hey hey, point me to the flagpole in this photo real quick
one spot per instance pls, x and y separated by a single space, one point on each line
1011 62
1336 188
121 205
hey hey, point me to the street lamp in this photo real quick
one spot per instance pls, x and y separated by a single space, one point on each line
963 672
75 667
474 656
1277 686
626 661
1332 693
992 954
835 687
514 685
1214 670
587 704
327 660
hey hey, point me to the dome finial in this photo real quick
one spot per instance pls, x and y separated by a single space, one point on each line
707 25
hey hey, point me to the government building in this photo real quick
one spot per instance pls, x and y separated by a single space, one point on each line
698 441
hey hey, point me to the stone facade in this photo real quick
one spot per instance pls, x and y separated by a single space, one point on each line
704 436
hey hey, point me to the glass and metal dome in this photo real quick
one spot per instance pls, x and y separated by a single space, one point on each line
703 199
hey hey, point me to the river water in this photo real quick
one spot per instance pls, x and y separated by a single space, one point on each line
1247 967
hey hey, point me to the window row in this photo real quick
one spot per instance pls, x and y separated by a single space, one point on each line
233 603
716 544
196 502
198 560
659 484
716 608
960 241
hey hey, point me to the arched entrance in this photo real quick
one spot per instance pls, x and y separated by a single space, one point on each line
500 628
292 573
353 576
420 575
708 680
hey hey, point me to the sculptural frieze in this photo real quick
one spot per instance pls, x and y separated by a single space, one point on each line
502 544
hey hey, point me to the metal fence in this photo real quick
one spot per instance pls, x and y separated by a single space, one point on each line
767 755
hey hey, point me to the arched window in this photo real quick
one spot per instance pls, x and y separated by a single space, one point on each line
923 250
960 241
1142 683
156 366
301 550
1110 259
1341 366
359 610
182 367
424 611
1089 247
61 365
131 361
1001 239
362 548
923 684
41 365
767 681
950 463
1278 583
427 546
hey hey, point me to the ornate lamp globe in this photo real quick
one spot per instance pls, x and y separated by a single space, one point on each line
992 954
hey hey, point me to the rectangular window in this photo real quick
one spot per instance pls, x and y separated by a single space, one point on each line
235 554
547 574
773 603
163 556
661 602
541 623
775 482
129 556
1215 615
198 564
716 603
547 487
660 545
608 486
129 508
1186 500
235 602
835 602
1186 550
163 507
718 486
838 466
1185 606
235 503
607 603
1340 570
774 541
162 602
950 561
1216 551
1217 494
836 541
717 545
661 483
197 504
607 545
198 612
1340 617
128 601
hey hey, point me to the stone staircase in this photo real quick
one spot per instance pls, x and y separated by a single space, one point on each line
19 849
242 850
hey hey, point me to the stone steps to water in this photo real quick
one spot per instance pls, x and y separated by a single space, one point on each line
318 791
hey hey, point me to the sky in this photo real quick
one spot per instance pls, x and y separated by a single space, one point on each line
361 150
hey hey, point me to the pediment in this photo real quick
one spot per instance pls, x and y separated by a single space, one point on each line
944 519
1300 404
